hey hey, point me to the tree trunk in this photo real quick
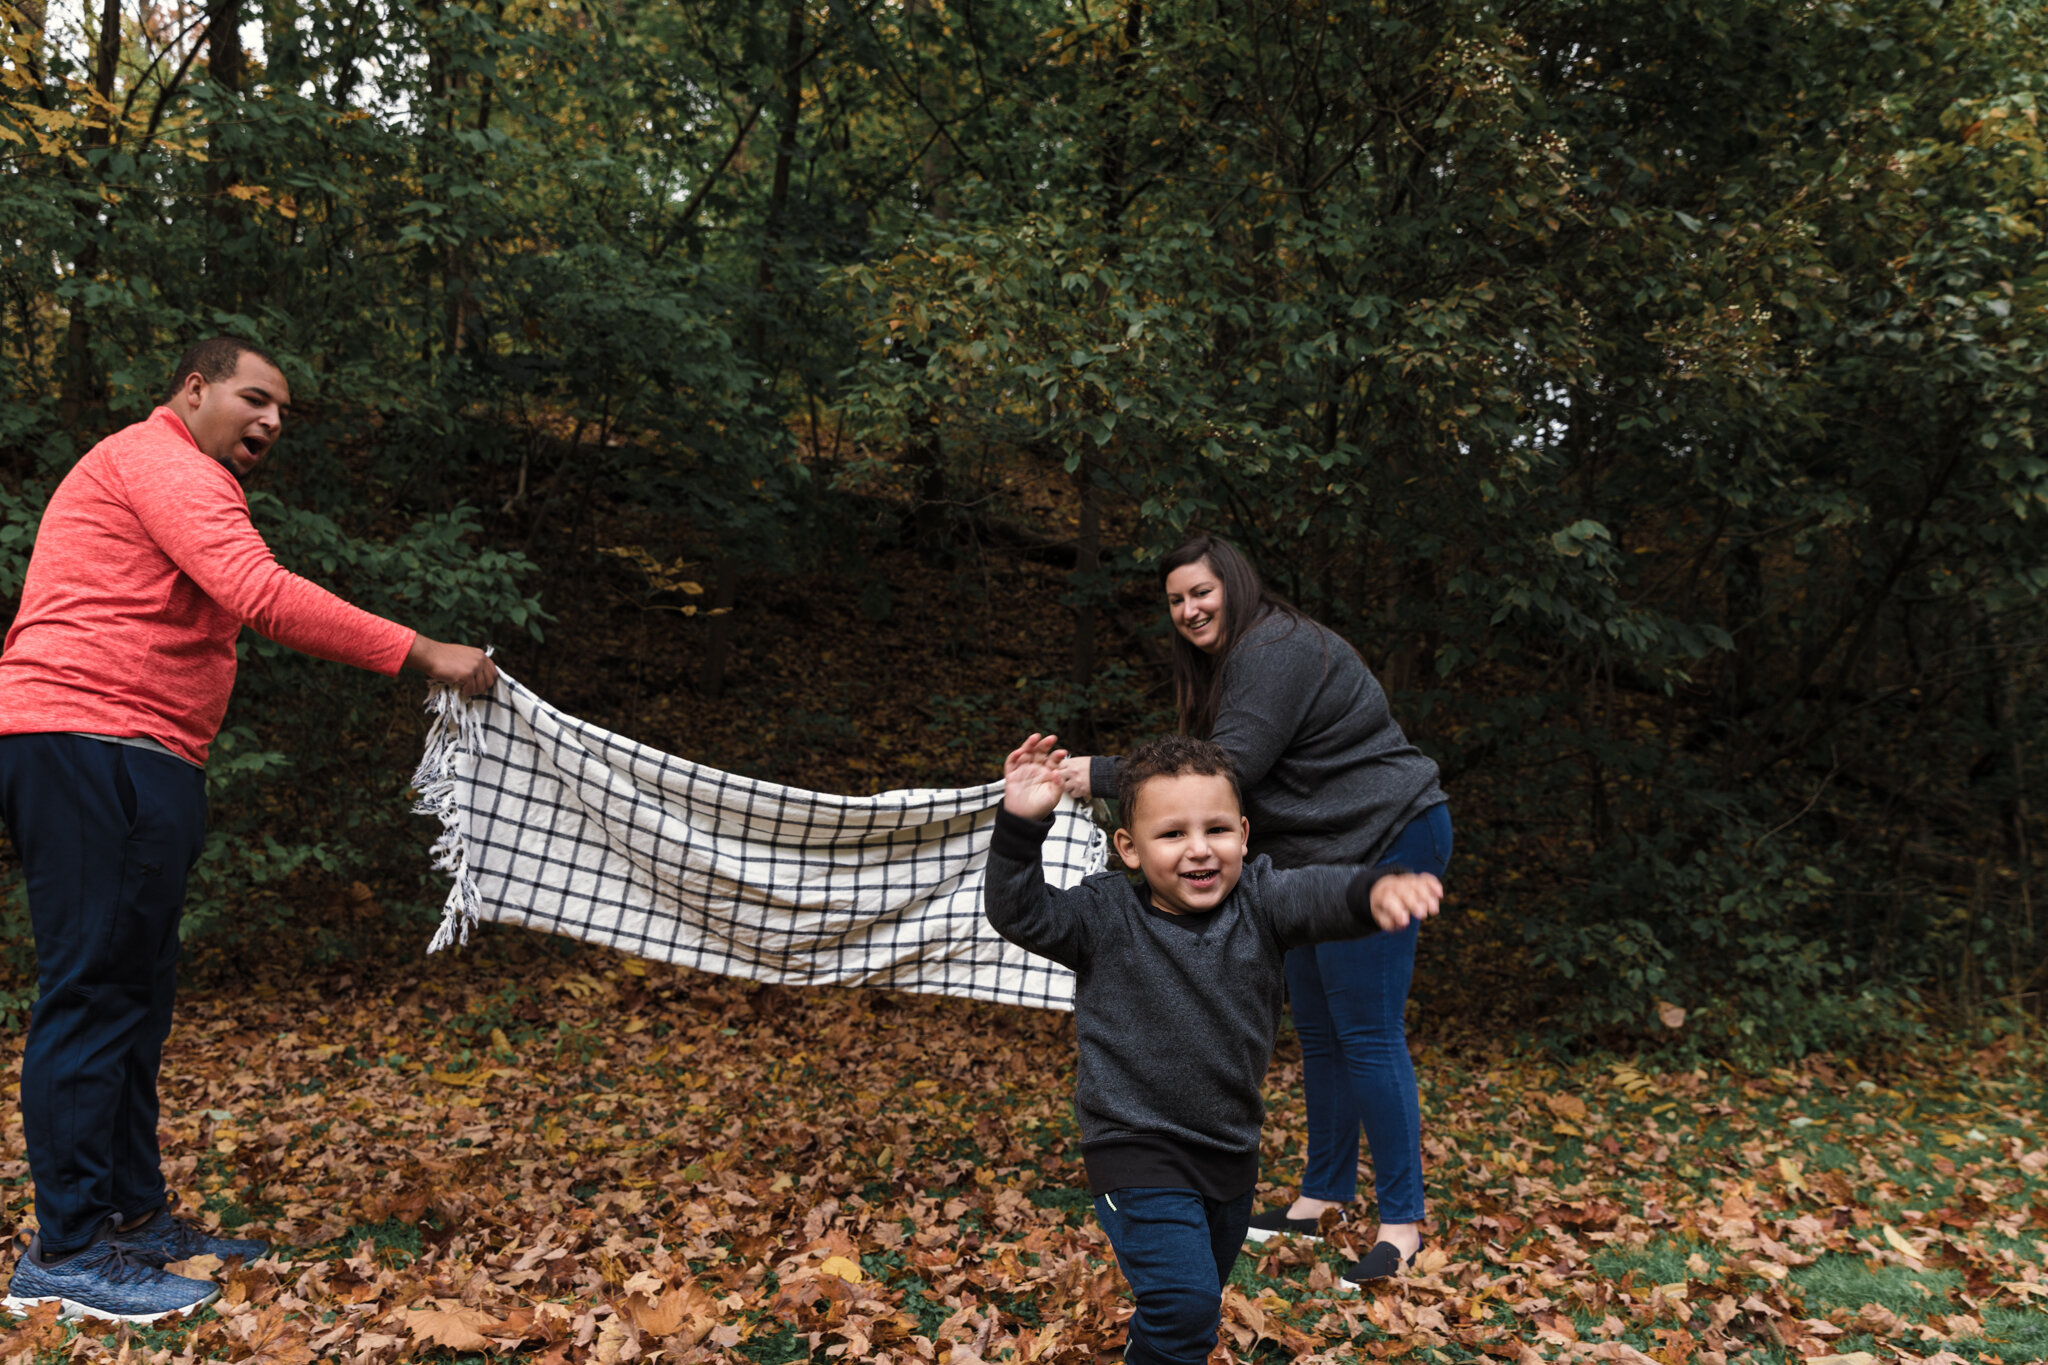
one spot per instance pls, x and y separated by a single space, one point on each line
723 592
785 158
81 386
225 66
927 454
1087 563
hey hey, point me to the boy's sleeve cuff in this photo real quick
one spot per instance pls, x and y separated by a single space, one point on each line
1102 777
1358 895
1018 839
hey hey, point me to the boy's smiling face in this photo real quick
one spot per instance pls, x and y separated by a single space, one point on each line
1186 835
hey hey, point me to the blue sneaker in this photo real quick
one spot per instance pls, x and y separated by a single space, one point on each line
106 1281
165 1238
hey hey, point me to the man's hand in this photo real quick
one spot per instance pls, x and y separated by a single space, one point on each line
463 667
1031 778
1403 897
1074 778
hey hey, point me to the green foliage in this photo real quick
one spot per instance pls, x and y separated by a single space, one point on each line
1649 389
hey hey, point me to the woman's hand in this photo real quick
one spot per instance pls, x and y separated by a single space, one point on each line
1074 778
1031 778
1403 897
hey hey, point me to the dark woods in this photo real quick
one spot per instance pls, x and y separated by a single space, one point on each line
1646 388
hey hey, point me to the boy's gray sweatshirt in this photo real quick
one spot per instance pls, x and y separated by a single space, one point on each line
1328 777
1175 1015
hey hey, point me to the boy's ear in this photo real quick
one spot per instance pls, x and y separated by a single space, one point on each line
1126 848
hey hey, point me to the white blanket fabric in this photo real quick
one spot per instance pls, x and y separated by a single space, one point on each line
557 825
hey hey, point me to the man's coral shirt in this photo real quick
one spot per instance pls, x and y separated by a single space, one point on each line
146 567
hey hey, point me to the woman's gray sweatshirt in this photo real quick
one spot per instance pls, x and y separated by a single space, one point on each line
1174 1015
1328 777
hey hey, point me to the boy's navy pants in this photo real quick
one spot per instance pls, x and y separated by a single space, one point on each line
1176 1249
106 834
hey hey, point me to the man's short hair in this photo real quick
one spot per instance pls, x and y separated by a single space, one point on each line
1171 757
217 358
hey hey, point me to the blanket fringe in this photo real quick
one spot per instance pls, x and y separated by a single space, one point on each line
455 730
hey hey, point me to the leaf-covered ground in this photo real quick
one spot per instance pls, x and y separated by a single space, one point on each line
537 1152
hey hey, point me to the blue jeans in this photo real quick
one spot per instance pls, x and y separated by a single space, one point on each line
1176 1248
1348 998
106 834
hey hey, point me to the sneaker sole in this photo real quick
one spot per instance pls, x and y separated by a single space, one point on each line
72 1308
1265 1234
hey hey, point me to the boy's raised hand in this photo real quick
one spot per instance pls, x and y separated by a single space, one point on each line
1031 778
1404 897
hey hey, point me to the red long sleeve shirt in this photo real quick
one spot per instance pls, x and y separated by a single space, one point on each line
145 568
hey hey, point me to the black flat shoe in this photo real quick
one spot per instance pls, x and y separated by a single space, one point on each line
1274 1222
1383 1262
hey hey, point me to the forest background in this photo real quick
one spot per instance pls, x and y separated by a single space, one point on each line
1649 389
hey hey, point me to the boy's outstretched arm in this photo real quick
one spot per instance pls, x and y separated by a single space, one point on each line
1317 904
1019 905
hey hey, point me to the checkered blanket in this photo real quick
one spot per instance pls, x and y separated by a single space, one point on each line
555 824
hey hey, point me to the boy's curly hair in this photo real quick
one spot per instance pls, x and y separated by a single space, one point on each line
1170 757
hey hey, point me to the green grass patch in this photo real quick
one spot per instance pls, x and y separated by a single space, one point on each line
1839 1281
2017 1333
393 1235
1078 1204
1661 1262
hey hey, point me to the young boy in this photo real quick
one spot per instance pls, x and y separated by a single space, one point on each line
1176 1004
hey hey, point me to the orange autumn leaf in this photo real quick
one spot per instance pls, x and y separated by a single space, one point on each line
458 1328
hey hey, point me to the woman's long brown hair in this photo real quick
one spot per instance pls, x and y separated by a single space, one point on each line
1197 677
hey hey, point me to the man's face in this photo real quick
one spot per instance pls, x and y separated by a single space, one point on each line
1186 835
236 420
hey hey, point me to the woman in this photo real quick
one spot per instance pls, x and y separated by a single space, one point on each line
1328 777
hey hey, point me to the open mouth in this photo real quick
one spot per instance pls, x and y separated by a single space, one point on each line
253 448
1203 880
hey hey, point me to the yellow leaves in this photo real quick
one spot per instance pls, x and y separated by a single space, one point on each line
49 120
1899 1244
1634 1084
842 1267
659 577
1789 1171
282 204
581 986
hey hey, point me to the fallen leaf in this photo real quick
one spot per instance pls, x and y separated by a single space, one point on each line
1566 1106
200 1267
459 1329
1899 1243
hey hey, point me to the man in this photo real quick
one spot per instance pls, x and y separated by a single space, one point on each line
113 681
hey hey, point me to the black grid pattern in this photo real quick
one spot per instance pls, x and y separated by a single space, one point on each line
561 826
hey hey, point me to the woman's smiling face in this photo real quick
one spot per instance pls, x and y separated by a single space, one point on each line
1194 598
